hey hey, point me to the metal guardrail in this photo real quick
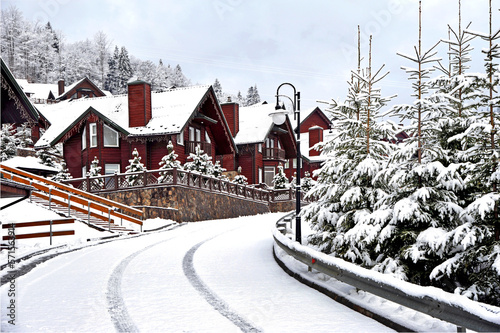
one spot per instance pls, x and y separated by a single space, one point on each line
435 302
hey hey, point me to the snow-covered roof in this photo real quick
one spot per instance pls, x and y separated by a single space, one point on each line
255 123
28 162
171 110
38 90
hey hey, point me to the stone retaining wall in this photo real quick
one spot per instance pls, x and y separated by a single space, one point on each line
184 204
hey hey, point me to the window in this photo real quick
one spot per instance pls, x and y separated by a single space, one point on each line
207 137
279 145
260 148
84 171
84 138
268 175
191 134
111 169
260 175
287 164
180 138
93 135
110 137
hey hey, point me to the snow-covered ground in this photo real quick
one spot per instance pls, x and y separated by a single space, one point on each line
213 276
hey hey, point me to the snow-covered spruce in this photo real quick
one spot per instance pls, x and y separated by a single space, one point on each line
280 181
135 166
168 161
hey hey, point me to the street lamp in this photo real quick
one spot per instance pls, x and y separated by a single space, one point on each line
279 117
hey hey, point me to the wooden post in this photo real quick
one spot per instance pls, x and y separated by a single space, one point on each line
116 181
50 232
174 176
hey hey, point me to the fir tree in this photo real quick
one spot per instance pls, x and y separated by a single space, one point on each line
168 161
344 216
8 146
306 183
95 171
218 90
201 162
135 166
279 180
111 82
124 70
47 156
63 173
253 96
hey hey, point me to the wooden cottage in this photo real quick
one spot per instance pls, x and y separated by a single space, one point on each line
110 128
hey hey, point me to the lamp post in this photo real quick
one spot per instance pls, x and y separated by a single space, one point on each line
279 117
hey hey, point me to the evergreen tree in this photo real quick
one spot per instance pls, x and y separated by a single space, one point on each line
217 170
253 96
168 161
344 215
111 82
95 171
23 136
124 70
47 156
279 180
178 79
201 162
8 146
306 183
135 166
63 173
218 91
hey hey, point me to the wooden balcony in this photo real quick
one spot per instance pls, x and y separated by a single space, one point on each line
275 154
190 147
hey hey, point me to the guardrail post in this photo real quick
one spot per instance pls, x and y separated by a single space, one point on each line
88 217
144 178
50 232
109 219
174 176
116 180
50 198
69 204
88 183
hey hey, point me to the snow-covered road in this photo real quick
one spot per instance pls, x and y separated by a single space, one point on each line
215 276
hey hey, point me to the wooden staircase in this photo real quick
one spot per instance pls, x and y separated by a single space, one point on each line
97 212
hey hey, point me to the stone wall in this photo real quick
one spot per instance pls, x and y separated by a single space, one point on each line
184 204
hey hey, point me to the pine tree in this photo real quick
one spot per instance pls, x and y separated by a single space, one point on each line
253 96
344 215
23 136
279 180
8 146
201 162
306 182
47 156
217 170
135 166
124 70
63 173
111 82
168 161
95 171
218 90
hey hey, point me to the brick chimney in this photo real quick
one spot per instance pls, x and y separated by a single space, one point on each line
231 112
315 136
60 87
139 103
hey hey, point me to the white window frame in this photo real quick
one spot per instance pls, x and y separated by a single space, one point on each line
117 141
111 168
260 176
93 135
180 138
260 148
84 171
207 137
84 138
287 164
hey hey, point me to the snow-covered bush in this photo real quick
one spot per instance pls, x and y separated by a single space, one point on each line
135 166
8 145
168 161
280 181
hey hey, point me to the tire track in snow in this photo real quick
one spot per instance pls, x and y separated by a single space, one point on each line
216 302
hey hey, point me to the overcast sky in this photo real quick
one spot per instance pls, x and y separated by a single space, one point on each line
311 44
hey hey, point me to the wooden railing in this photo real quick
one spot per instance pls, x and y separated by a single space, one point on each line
176 177
190 147
50 233
273 154
72 195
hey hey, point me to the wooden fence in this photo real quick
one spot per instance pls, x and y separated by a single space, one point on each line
176 177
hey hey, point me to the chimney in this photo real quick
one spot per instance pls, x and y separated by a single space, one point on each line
315 136
139 103
60 87
231 112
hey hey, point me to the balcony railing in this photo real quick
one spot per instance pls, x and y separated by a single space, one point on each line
274 154
190 147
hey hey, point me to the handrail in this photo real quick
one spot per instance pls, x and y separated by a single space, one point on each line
435 302
178 177
44 188
67 188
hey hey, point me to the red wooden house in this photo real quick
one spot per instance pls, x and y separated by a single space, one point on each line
109 128
262 145
314 127
17 109
83 88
